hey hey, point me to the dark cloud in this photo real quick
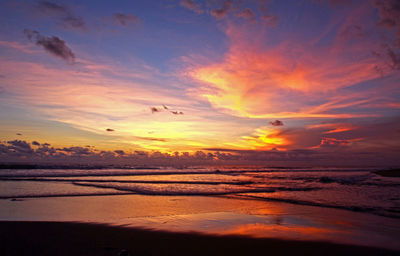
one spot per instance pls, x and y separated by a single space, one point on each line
191 5
276 123
53 45
119 152
19 147
19 143
389 13
247 14
19 134
35 143
77 151
389 18
332 152
155 110
223 11
394 58
62 13
110 130
125 19
151 138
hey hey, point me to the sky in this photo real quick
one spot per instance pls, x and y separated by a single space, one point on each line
296 82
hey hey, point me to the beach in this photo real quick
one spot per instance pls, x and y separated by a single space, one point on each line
198 212
66 238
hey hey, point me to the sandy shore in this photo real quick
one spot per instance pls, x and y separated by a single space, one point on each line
66 238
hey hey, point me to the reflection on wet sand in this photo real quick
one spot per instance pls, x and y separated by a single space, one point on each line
228 216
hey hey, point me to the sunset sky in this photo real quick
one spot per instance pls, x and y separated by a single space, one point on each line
223 77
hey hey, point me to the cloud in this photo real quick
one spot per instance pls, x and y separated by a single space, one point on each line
331 152
53 45
264 138
271 20
119 152
266 16
333 142
16 46
110 130
155 110
329 128
276 123
125 19
223 11
35 143
19 134
394 58
389 14
19 147
151 138
256 81
247 13
62 13
76 151
191 5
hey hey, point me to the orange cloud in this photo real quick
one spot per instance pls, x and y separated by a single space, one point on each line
332 142
264 138
280 81
333 128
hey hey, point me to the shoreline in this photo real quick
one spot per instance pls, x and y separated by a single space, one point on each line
74 238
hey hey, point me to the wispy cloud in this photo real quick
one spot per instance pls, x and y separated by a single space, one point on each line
257 82
62 13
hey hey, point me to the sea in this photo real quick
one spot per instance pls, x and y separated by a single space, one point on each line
346 205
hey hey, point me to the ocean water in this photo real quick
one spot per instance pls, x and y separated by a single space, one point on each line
357 190
353 206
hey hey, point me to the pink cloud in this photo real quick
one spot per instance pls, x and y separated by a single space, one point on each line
256 81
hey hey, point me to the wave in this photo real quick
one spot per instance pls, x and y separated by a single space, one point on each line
15 197
142 172
181 191
134 181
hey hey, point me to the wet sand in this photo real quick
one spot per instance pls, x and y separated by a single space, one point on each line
69 238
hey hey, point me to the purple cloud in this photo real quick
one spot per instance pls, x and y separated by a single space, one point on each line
191 5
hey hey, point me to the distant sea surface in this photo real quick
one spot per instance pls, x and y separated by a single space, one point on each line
359 190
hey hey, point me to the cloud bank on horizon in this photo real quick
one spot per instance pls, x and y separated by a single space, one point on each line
252 79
